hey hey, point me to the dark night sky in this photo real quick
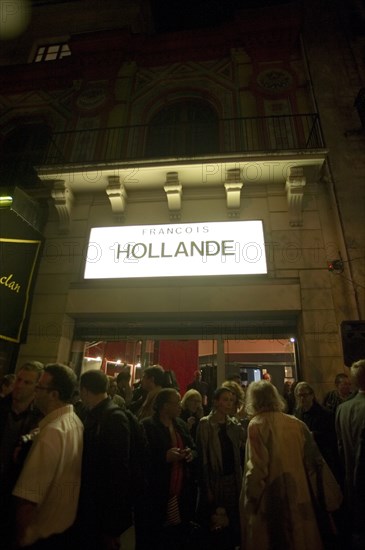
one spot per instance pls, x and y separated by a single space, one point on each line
177 15
174 15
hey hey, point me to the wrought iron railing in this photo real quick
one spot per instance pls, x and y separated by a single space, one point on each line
185 140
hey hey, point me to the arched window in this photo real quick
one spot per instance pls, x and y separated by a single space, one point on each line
186 128
23 149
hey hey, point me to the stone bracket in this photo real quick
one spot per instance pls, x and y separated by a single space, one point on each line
173 190
117 195
233 186
63 200
294 186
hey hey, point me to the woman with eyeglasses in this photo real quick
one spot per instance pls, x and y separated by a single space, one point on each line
320 422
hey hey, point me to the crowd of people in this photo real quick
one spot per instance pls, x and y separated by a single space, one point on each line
84 461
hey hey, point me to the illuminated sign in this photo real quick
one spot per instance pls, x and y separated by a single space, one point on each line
17 266
176 250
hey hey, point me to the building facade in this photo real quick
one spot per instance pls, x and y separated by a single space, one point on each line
108 124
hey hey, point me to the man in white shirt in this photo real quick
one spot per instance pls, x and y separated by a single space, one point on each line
48 487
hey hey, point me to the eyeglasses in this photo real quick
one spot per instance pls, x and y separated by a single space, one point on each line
46 388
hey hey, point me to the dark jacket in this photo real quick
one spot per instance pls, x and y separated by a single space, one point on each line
30 417
185 415
27 421
359 485
158 473
104 504
321 422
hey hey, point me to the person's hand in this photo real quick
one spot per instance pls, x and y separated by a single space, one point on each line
174 455
187 454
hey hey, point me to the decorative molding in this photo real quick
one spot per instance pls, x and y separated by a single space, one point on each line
117 195
275 80
173 190
92 97
294 186
233 186
63 200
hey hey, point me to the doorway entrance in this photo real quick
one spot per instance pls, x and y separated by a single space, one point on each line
218 358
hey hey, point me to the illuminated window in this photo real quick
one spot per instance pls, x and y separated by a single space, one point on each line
52 52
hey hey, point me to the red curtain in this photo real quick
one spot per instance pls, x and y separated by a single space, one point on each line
180 356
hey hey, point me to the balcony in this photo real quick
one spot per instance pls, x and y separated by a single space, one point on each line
180 142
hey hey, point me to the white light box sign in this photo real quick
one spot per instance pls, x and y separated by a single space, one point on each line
181 250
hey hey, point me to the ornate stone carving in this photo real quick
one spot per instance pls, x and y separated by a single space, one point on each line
275 80
92 97
233 188
63 200
173 190
117 195
295 184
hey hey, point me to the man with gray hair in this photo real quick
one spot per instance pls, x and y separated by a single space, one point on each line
350 429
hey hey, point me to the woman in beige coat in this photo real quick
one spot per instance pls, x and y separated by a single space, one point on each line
276 505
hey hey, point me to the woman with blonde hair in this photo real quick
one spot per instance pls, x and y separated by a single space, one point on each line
192 410
276 498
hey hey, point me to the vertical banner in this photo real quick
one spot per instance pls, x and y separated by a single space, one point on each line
18 259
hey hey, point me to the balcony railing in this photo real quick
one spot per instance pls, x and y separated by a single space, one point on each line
185 140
